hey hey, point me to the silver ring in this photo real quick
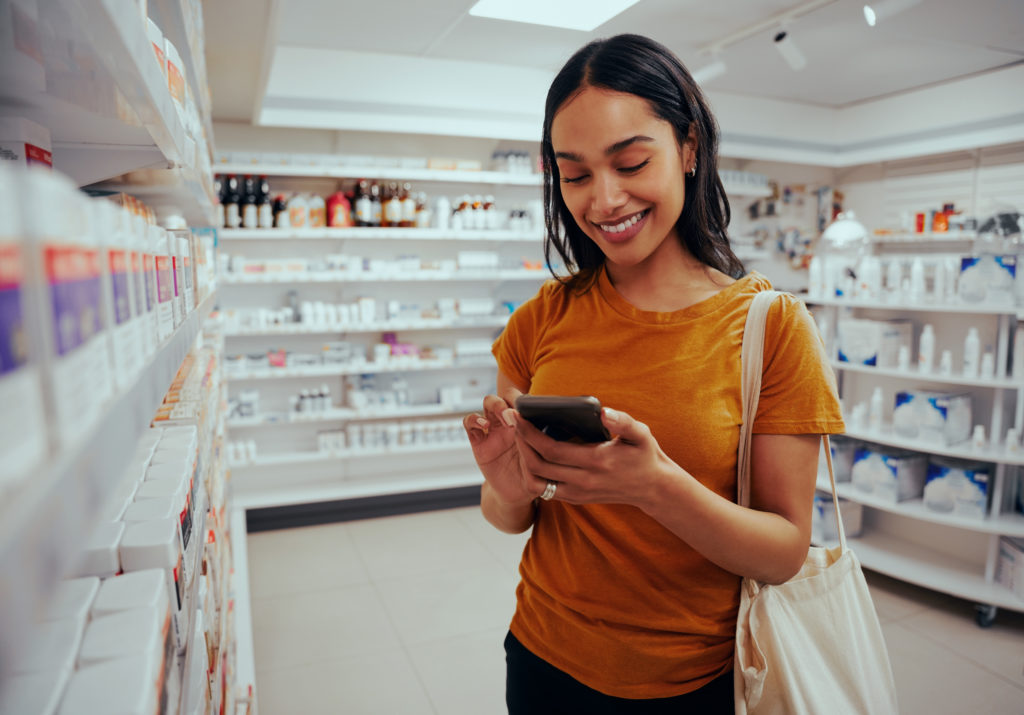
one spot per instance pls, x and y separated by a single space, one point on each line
549 491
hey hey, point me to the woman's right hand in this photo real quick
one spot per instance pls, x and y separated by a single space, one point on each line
494 448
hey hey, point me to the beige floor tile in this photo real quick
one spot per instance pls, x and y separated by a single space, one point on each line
399 546
373 684
937 681
999 648
296 629
313 558
895 600
464 675
436 606
507 548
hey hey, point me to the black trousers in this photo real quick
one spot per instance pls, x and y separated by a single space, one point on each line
535 687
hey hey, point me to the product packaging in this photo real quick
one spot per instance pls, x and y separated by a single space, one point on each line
889 474
987 278
957 487
100 556
165 298
118 297
156 39
873 342
823 520
843 450
72 599
25 142
23 431
940 417
1010 565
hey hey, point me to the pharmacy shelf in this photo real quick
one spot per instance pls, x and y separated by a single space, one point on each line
46 522
186 189
925 567
950 237
965 450
392 366
918 375
286 459
498 178
1004 524
374 234
193 600
488 321
348 414
908 307
245 653
419 277
289 494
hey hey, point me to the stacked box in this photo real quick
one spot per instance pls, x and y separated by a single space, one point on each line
873 342
956 487
940 417
888 474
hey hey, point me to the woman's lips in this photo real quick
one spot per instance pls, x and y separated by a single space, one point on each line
630 227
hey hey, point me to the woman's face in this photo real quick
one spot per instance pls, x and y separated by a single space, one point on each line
621 173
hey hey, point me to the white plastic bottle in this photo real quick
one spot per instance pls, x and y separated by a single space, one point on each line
917 287
875 410
894 280
972 353
23 431
926 350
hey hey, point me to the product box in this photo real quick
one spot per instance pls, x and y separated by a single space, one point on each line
1010 565
987 279
891 475
873 342
25 142
843 450
956 487
823 520
941 417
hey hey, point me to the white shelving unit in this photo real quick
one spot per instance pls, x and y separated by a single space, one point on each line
287 441
907 540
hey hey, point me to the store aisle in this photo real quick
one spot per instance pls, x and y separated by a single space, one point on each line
406 615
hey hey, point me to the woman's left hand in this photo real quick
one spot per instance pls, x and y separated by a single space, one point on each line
623 470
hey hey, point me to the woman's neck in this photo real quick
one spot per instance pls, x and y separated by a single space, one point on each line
670 281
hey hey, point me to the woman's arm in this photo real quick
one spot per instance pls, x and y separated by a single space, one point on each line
767 541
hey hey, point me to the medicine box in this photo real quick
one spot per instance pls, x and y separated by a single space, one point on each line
842 449
25 142
957 487
940 417
987 279
823 520
1010 565
873 342
890 475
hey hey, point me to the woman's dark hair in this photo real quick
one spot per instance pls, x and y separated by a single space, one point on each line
637 65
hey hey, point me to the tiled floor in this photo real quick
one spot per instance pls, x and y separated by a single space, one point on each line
405 615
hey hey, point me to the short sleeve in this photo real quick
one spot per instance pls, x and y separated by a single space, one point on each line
798 387
515 348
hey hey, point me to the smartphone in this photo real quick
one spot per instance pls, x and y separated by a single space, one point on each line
564 418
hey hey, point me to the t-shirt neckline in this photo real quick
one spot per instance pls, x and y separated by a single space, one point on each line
622 306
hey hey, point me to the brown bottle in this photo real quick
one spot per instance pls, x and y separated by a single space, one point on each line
408 206
376 210
361 205
385 200
393 205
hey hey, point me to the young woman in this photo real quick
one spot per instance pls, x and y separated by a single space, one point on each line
630 578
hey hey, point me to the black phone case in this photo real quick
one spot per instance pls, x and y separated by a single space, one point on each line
564 418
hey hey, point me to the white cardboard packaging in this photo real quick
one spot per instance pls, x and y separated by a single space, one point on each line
127 592
53 647
873 342
73 598
125 686
957 487
25 142
36 693
101 556
940 417
1010 565
891 475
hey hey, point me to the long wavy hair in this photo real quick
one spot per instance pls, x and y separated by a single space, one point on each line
637 65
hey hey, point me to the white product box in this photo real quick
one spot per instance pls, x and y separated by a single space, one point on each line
25 142
823 520
890 475
873 342
1010 565
843 450
941 417
476 306
987 279
955 487
471 260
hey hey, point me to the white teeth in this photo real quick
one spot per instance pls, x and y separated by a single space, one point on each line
619 228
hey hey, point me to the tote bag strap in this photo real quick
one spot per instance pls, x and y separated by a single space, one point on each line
751 366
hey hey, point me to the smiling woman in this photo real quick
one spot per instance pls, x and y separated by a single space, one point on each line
630 578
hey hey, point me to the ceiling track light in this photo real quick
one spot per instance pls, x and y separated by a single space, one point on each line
875 12
789 51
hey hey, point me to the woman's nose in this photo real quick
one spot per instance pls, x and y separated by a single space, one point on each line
607 195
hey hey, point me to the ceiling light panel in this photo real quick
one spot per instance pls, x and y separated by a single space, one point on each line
584 15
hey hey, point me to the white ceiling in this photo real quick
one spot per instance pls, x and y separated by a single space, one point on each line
334 59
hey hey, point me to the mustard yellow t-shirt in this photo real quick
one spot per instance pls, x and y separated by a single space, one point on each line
607 594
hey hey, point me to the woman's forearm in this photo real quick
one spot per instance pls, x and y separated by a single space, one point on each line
512 518
756 544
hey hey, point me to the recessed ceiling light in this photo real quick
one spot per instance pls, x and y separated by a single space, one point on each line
582 15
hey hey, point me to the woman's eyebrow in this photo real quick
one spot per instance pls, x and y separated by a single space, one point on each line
616 147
